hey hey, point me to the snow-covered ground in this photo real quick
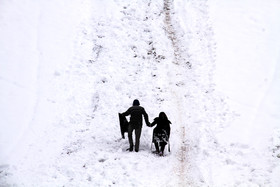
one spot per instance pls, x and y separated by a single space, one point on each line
68 67
247 72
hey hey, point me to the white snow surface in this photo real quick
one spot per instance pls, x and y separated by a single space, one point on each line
67 68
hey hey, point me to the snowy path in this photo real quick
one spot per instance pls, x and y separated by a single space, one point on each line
182 154
192 45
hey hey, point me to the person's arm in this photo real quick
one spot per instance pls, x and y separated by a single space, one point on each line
127 112
154 122
146 117
168 128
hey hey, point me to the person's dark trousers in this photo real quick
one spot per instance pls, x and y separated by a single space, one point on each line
137 137
157 148
162 146
129 131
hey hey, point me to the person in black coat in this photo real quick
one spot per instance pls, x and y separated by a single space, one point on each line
136 112
161 132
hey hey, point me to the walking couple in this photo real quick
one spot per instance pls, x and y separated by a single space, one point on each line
161 132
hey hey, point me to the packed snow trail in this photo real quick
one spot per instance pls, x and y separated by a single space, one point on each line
192 41
182 153
172 33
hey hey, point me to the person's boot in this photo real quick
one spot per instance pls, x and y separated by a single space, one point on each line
157 148
161 150
136 148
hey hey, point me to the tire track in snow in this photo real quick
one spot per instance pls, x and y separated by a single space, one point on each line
183 148
189 63
203 110
172 34
182 169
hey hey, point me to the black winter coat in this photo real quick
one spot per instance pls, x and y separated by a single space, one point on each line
136 113
162 124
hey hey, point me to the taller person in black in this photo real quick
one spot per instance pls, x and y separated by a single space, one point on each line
136 112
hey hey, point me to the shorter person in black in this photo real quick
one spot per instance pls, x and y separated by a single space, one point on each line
136 112
161 132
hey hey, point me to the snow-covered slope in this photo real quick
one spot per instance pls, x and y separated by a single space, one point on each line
247 72
68 68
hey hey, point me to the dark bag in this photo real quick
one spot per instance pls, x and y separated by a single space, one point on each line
123 124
